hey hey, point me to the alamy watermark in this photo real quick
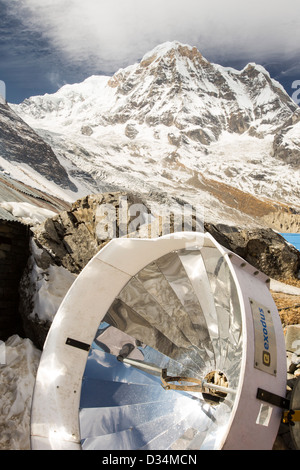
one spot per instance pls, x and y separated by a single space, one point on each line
2 353
2 91
140 221
296 94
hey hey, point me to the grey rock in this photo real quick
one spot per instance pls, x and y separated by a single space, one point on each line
72 237
262 248
87 130
292 341
130 131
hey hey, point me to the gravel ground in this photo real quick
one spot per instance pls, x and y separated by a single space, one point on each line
289 310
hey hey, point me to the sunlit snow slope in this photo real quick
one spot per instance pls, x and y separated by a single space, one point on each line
176 124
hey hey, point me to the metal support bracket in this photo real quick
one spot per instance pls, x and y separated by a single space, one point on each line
197 387
273 399
78 344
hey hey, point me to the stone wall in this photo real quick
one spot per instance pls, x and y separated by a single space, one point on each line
14 248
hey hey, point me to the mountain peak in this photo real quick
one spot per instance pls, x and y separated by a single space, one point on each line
170 119
170 49
173 85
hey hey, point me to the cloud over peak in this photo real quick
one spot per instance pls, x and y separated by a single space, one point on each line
115 33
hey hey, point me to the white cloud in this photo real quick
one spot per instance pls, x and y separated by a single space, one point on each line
2 91
115 33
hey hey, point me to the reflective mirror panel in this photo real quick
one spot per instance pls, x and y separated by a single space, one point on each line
180 313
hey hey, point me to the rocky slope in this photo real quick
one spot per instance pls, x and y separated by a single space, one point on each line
19 143
28 158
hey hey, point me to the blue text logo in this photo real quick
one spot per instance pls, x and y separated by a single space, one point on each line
265 330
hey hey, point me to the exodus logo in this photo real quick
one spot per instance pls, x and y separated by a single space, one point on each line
266 354
265 331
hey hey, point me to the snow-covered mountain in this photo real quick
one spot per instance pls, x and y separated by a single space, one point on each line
176 127
26 157
19 143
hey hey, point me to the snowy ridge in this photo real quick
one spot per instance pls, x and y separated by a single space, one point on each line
172 117
180 67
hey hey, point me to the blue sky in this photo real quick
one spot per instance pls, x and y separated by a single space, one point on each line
45 44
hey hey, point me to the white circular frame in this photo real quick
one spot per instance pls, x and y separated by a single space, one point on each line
56 398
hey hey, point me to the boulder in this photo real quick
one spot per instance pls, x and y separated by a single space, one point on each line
73 237
65 243
263 248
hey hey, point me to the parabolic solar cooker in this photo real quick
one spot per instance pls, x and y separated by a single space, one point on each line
167 343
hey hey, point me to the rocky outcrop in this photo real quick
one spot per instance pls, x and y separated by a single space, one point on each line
62 246
263 248
73 237
70 239
130 131
86 130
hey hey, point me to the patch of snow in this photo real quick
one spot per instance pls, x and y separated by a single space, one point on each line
50 287
28 213
17 379
27 175
278 286
292 136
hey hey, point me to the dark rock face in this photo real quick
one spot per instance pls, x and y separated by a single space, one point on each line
19 143
72 237
263 248
130 131
14 251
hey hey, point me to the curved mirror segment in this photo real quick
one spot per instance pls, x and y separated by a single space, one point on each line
180 314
